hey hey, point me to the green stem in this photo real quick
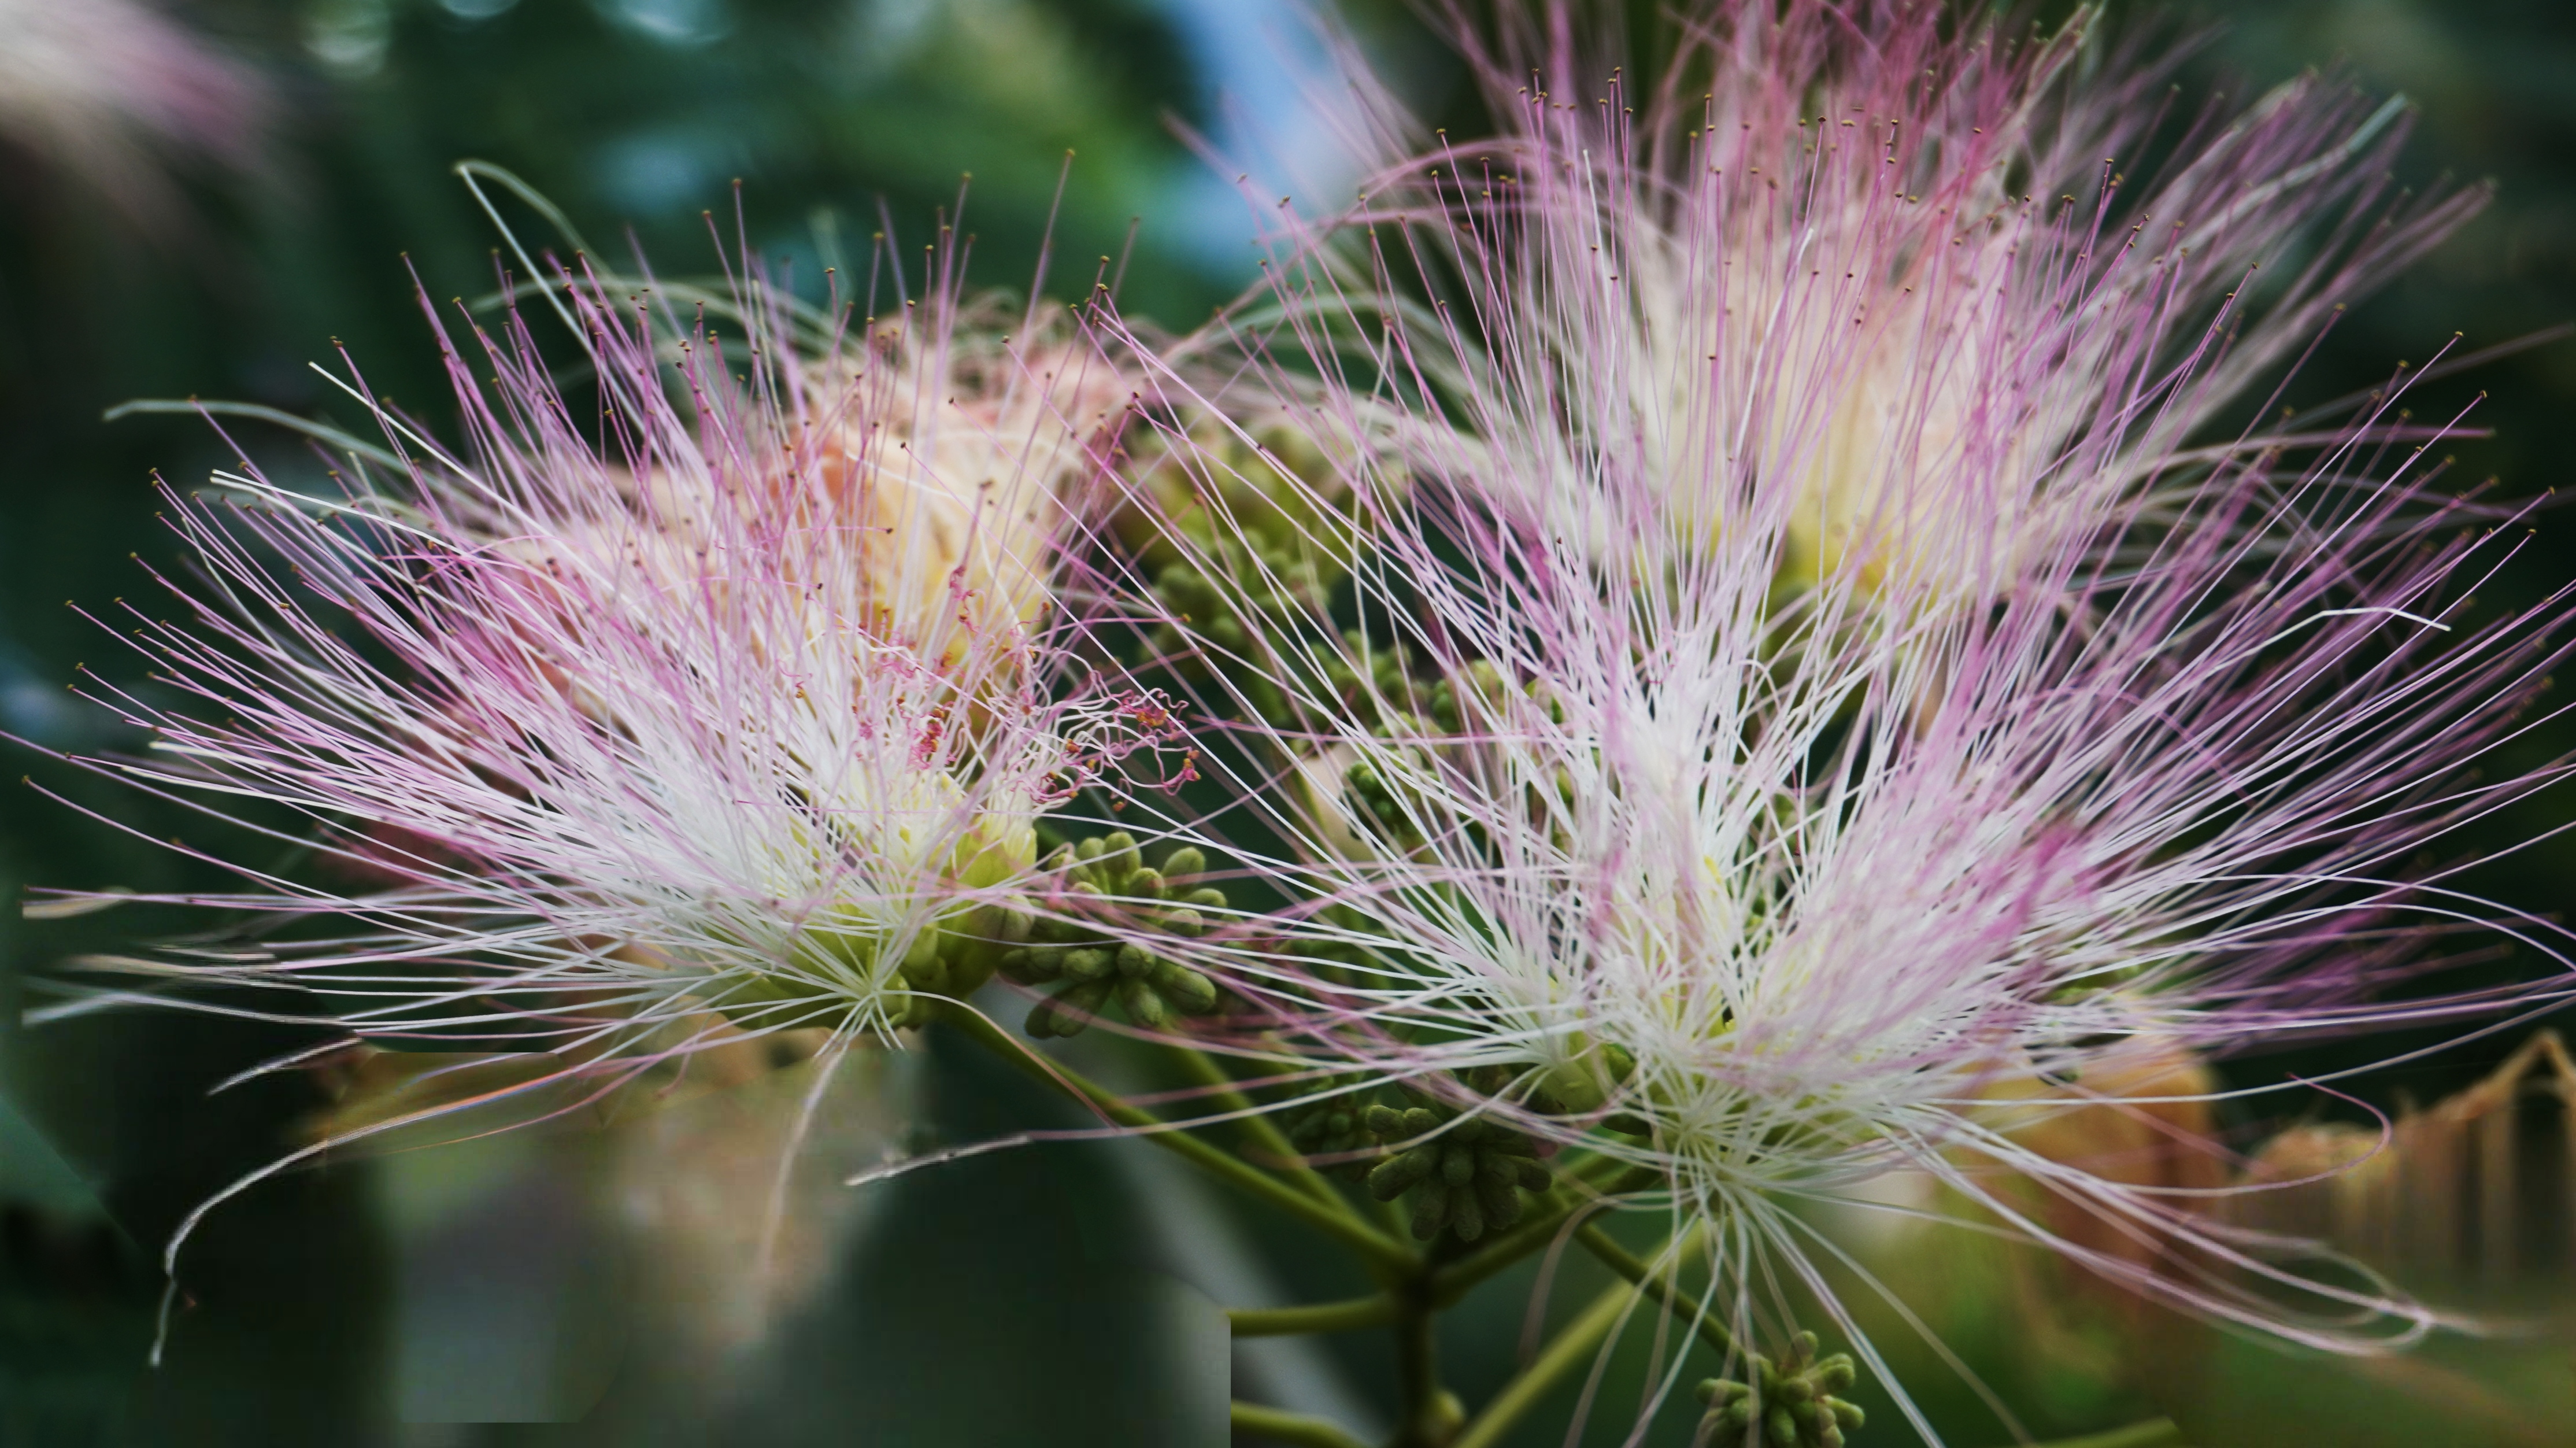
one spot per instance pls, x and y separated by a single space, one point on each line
1577 1341
1282 1427
1420 1421
1344 1316
2154 1433
1265 1134
1620 1260
1381 1250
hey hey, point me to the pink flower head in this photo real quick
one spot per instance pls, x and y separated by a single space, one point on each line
1771 890
728 705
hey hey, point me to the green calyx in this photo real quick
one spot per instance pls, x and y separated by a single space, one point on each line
1585 1080
949 955
954 962
1106 894
1466 1179
1791 1403
948 959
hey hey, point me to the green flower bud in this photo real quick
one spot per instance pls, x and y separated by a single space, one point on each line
1068 1014
1586 1081
1718 1392
1033 964
1189 991
923 953
1430 1210
1119 856
1399 1174
1466 1215
1458 1165
1144 1003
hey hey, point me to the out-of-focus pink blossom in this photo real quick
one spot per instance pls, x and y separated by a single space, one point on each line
112 90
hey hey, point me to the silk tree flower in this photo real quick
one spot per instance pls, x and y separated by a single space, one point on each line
1770 892
1771 921
728 709
1837 261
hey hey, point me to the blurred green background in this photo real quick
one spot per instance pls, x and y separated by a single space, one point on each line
583 1286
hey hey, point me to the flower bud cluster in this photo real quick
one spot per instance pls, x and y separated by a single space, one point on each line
1105 885
1789 1404
1458 1176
